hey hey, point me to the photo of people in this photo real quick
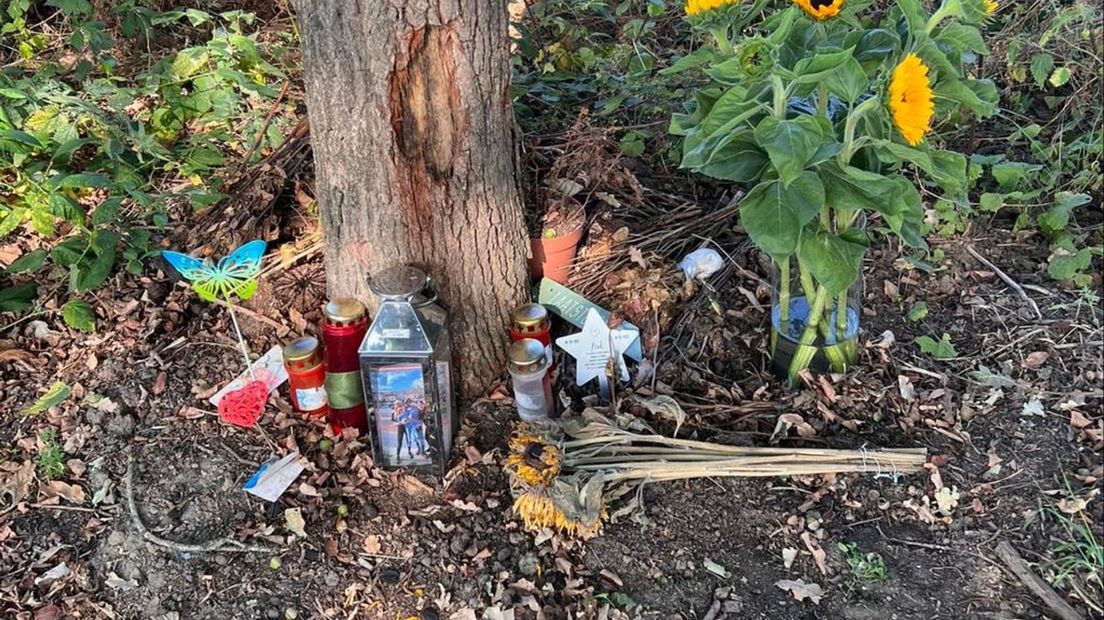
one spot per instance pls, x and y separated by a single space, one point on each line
401 415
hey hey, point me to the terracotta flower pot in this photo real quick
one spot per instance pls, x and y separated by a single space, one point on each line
552 257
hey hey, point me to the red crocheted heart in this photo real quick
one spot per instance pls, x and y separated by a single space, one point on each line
243 407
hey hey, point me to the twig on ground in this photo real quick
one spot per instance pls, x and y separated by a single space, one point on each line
1011 558
225 544
256 315
1015 286
264 127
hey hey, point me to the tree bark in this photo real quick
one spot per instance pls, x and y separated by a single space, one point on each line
411 125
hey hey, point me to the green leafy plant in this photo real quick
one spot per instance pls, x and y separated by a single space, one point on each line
50 459
864 567
942 349
823 115
90 160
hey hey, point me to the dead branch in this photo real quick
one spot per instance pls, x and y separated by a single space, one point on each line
1016 564
225 544
1012 284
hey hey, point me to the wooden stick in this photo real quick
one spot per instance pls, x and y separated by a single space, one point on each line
1016 564
1015 286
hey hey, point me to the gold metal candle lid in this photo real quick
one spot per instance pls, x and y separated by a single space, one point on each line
344 311
300 350
526 355
529 315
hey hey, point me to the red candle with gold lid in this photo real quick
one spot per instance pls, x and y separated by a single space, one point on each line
344 323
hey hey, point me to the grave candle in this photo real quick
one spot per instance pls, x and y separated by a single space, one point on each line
531 321
306 375
344 324
528 366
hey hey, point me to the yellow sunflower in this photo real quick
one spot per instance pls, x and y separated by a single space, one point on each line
820 9
533 460
910 99
991 6
697 7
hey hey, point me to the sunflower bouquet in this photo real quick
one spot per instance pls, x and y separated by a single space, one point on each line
564 476
825 114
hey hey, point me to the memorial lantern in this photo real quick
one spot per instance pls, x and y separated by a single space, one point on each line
406 362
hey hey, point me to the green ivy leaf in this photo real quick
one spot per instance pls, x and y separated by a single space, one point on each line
773 214
91 274
790 144
941 349
17 298
834 261
58 393
78 314
30 261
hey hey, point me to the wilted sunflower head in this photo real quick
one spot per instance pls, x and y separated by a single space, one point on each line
820 9
533 460
564 507
698 7
910 99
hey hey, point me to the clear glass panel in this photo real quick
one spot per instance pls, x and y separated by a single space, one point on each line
398 330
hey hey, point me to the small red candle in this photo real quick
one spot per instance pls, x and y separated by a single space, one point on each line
531 321
306 375
344 323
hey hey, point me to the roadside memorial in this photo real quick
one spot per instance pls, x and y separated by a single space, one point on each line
235 275
406 365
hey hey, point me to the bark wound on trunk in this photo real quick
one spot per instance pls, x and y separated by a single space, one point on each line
411 125
425 107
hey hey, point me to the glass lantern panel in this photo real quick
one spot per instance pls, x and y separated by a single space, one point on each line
398 331
405 417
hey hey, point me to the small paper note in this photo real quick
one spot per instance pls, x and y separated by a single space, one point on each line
274 477
268 368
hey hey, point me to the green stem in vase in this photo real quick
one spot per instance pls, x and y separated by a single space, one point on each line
806 348
784 295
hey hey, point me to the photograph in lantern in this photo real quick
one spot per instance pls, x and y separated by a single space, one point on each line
402 415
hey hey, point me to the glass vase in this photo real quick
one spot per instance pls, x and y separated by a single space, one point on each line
805 336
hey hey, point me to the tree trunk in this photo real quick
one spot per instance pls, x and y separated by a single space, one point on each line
411 125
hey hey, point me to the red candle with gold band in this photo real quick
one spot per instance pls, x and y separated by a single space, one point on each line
344 324
531 321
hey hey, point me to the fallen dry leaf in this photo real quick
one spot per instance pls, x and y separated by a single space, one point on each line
1035 359
819 556
413 486
70 492
372 544
17 484
801 590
